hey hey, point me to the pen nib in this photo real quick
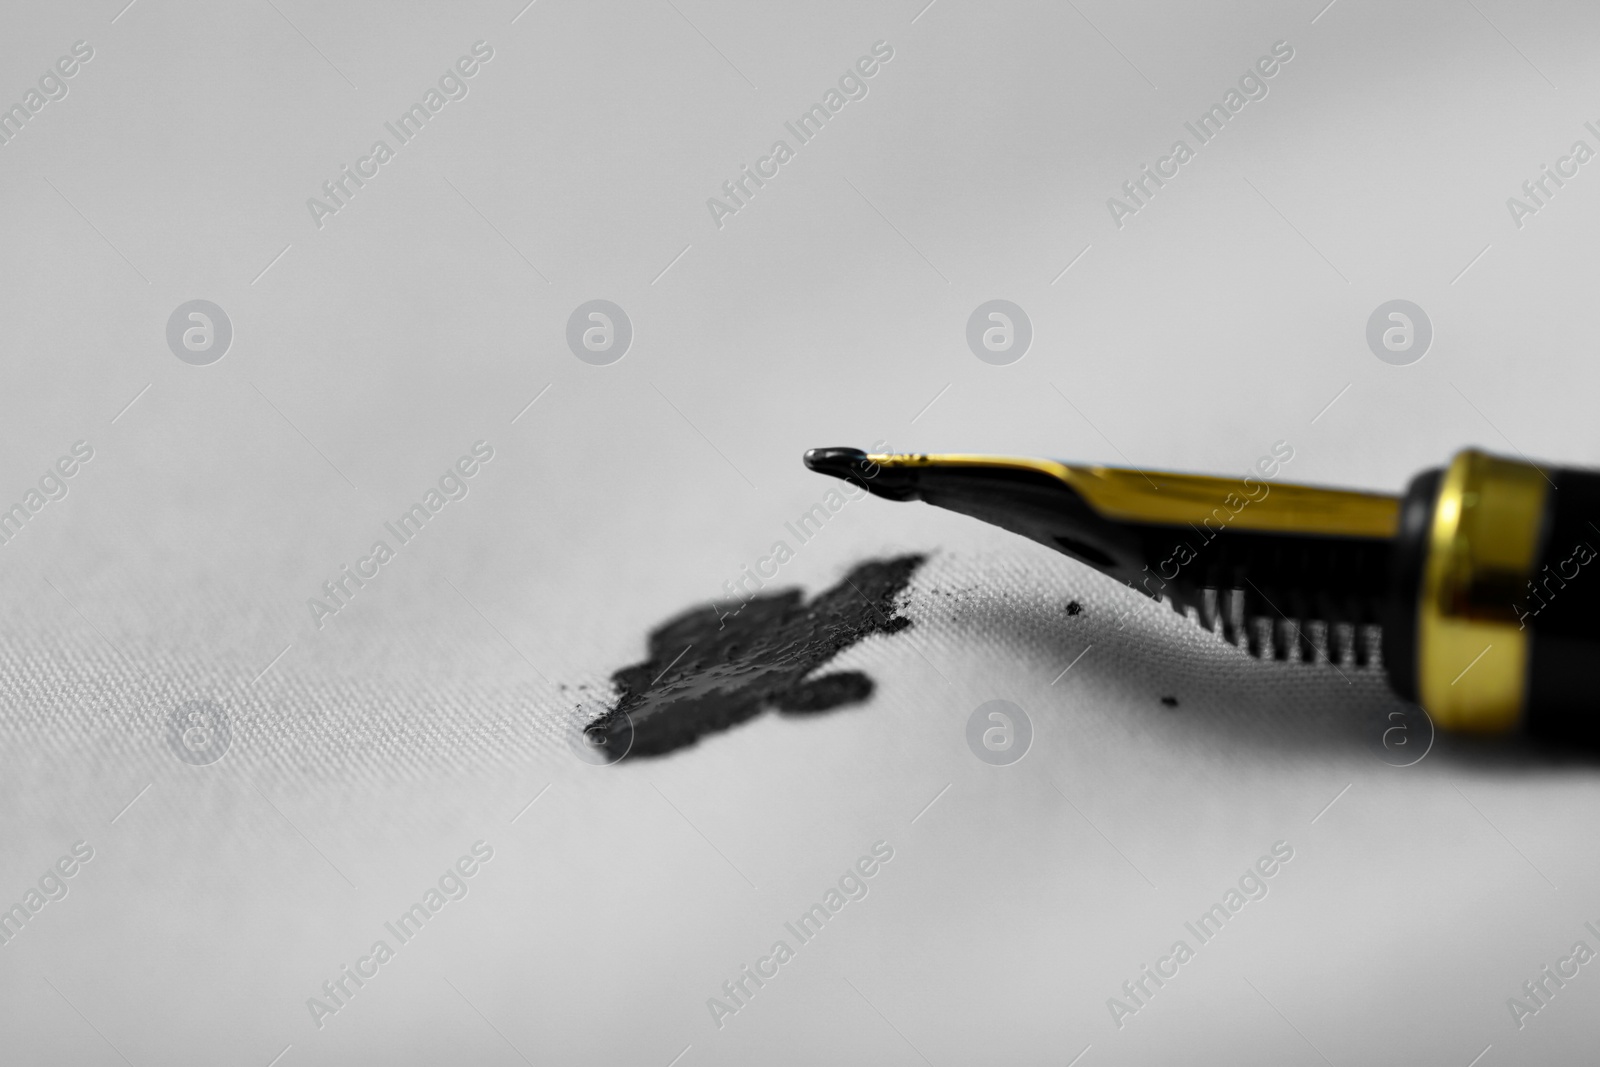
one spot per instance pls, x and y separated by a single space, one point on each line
839 462
1290 571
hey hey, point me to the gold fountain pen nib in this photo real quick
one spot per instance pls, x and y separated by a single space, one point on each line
1297 570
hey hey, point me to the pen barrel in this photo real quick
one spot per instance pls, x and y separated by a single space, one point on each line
1560 607
1492 624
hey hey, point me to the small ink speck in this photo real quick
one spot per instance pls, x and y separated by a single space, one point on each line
1074 608
1170 702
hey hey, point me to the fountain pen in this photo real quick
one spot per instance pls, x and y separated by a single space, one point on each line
1471 591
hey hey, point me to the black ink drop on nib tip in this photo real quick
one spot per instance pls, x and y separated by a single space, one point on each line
706 673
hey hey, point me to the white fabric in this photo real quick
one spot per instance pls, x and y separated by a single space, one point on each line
370 754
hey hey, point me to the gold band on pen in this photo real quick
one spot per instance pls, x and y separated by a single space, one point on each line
1472 654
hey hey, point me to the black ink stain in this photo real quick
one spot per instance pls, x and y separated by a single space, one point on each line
705 674
1074 608
1170 702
